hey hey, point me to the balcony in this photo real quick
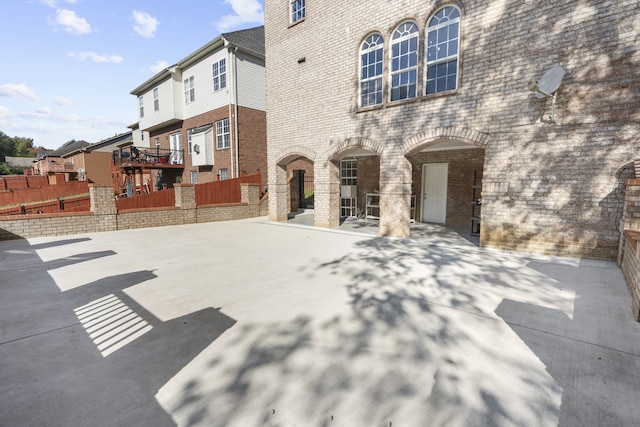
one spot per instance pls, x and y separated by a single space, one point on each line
148 158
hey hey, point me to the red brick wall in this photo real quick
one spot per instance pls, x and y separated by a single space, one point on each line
252 137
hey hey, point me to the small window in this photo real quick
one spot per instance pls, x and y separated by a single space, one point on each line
222 134
348 172
156 100
190 133
404 62
371 59
220 74
223 174
442 50
189 90
297 10
194 177
141 106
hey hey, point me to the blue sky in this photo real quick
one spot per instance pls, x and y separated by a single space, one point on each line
68 65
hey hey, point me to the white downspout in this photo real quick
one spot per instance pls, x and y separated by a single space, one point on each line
230 100
235 104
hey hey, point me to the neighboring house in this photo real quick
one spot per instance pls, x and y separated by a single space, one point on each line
93 163
207 113
414 110
21 162
54 162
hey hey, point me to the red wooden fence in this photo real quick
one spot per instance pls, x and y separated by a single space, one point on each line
19 196
77 204
227 191
157 199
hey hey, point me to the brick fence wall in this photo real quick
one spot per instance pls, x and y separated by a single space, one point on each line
628 255
105 217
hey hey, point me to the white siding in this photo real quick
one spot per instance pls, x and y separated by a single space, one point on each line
206 99
166 111
251 82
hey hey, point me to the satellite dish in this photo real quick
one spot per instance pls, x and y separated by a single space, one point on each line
548 84
547 87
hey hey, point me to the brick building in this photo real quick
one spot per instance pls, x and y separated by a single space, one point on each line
425 106
208 111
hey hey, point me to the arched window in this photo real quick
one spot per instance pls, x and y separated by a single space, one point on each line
404 62
442 50
371 59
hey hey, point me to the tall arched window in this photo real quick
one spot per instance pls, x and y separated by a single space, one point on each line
371 59
404 61
442 50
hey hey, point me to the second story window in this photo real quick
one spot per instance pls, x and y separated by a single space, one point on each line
141 106
404 62
371 59
297 10
156 100
222 134
220 74
189 90
442 50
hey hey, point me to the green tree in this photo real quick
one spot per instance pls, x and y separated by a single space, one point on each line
24 147
7 146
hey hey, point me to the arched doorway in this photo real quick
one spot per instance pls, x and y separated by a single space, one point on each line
447 171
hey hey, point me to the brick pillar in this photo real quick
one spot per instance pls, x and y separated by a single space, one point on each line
278 194
250 194
185 196
326 188
395 194
102 200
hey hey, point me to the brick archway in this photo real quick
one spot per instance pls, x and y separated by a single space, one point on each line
435 135
357 142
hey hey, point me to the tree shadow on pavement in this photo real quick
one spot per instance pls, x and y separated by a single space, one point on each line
417 343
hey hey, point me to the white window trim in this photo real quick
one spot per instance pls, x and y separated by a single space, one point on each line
226 174
398 40
220 77
303 7
141 106
189 89
222 131
156 99
368 79
427 64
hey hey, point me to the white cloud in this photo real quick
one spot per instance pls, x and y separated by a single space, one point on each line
44 111
71 22
63 102
54 3
20 90
5 113
81 56
158 66
245 12
145 24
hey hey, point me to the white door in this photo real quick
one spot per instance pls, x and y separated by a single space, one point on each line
434 192
176 148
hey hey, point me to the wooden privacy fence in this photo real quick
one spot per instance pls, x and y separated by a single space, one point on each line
157 199
227 191
76 204
23 181
20 196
